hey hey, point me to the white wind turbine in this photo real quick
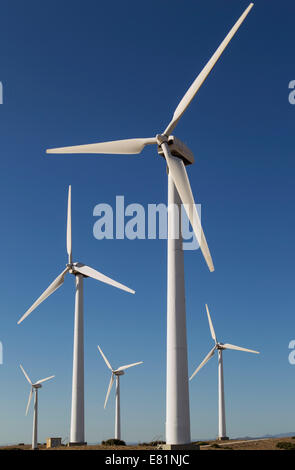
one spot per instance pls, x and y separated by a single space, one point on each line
80 271
219 347
116 373
34 388
177 155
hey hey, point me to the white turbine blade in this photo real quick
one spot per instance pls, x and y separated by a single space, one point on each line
209 355
26 375
128 146
211 325
238 348
53 286
191 92
105 359
90 272
181 181
44 380
109 390
130 365
69 225
29 401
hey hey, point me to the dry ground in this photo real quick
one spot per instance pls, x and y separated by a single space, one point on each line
259 444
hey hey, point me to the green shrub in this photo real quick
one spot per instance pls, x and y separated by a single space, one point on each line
113 442
152 443
201 443
285 445
156 443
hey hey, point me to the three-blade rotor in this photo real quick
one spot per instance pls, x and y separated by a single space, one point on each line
218 346
34 385
73 268
114 372
175 165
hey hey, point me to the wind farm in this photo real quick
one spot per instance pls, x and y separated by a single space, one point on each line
69 149
80 271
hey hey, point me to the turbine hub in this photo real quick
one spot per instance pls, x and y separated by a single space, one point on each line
161 138
71 267
37 386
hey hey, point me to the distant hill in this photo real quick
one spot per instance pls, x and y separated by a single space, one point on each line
248 438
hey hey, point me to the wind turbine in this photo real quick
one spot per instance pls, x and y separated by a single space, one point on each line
219 347
177 156
80 271
34 388
116 373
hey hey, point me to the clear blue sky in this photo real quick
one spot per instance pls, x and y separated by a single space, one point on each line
92 71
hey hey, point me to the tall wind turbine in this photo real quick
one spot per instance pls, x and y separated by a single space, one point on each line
34 388
80 271
177 156
219 347
116 373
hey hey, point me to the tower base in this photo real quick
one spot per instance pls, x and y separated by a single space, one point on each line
178 447
77 444
224 438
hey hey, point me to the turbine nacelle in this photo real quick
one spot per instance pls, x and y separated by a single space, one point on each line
73 268
177 148
118 372
36 386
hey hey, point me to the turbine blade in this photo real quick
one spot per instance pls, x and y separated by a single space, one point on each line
90 272
211 325
105 359
128 146
109 390
209 355
69 225
178 172
53 286
238 348
130 365
29 401
26 375
191 92
44 380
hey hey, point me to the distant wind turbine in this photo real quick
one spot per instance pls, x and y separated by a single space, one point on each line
80 271
219 347
116 373
34 388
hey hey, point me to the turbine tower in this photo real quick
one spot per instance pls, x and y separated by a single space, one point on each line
220 347
34 388
116 373
177 156
80 271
